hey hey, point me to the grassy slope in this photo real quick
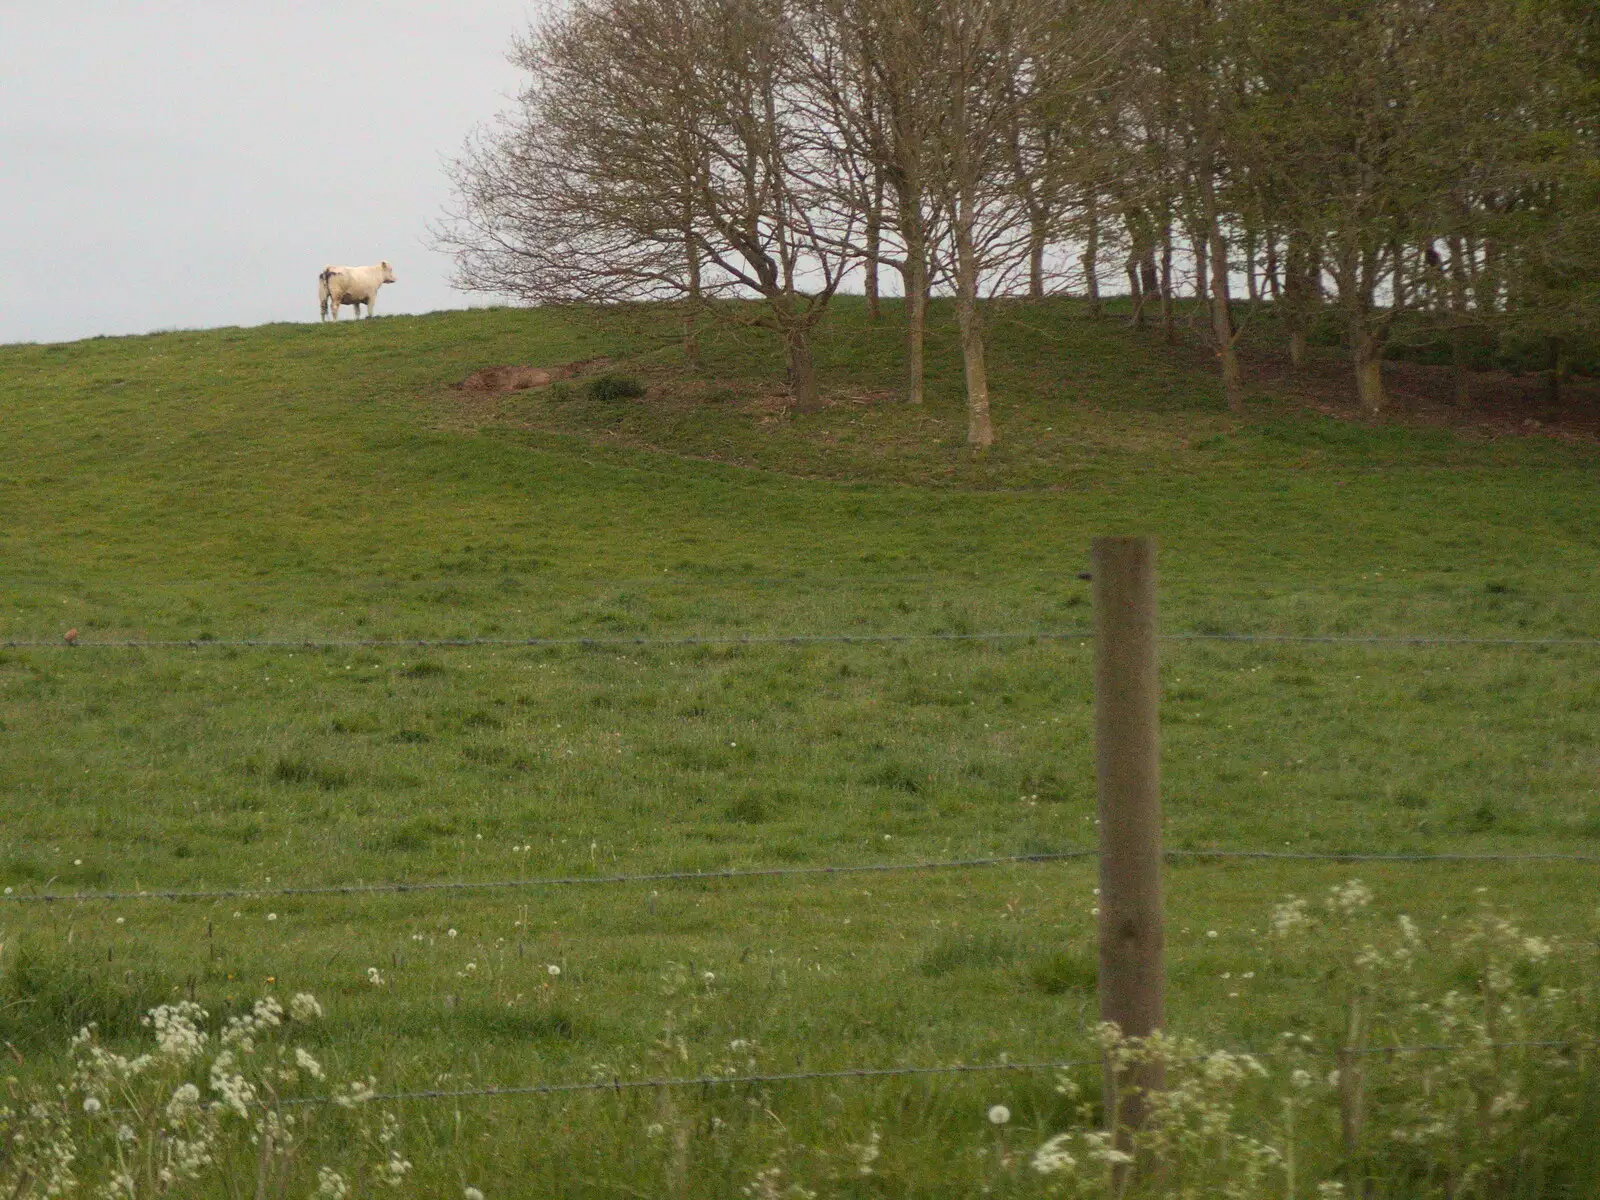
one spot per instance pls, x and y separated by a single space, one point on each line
297 481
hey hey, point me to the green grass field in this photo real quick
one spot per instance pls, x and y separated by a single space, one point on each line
305 483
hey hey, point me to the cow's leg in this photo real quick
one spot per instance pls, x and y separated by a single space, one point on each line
370 299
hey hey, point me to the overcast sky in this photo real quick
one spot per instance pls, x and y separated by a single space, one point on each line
179 163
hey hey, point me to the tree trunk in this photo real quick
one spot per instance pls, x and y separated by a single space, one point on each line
1274 288
916 337
1486 287
1202 283
1297 296
691 333
1038 238
1222 324
1556 374
1367 351
1251 288
874 245
802 370
1091 255
914 284
980 430
1142 284
1221 306
1169 326
1297 349
1458 321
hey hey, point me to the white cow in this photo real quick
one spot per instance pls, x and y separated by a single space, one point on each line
351 285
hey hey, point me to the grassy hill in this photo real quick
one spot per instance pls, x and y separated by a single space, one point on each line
327 483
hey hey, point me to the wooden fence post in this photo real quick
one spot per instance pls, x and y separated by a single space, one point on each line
1128 769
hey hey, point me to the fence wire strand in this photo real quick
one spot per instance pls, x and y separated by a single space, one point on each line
560 881
618 1085
797 639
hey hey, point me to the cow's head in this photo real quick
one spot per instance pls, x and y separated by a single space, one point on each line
388 272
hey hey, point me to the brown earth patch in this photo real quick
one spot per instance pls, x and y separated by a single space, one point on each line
517 378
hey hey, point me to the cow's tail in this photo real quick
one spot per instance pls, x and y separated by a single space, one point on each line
322 292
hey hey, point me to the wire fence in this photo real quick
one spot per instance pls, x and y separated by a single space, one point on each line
740 873
619 1086
805 639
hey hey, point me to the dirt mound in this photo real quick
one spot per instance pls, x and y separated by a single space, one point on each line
517 378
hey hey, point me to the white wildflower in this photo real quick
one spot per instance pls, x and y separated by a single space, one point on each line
331 1185
185 1102
188 1157
1347 898
307 1064
1289 916
867 1152
1108 1034
1537 949
1112 1157
393 1171
304 1007
177 1030
654 1129
374 977
999 1114
769 1185
471 1193
1330 1189
1053 1156
234 1090
241 1031
1507 1102
91 1105
357 1091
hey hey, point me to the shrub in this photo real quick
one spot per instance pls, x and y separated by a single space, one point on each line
608 388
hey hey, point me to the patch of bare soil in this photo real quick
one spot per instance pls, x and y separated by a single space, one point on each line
516 378
1499 404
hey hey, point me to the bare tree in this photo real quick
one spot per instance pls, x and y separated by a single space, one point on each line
658 153
873 72
993 56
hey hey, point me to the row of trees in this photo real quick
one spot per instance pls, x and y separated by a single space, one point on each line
1419 161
